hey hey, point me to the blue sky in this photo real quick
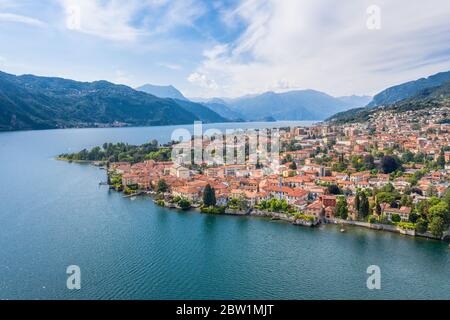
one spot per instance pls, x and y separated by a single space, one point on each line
228 47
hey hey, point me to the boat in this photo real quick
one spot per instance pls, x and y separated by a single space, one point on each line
342 229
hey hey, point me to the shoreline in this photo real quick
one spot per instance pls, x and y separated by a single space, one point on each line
156 126
276 216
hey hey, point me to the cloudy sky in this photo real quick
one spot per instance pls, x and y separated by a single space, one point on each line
229 47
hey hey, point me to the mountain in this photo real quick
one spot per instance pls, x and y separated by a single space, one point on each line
202 112
408 89
223 110
425 99
292 105
355 101
162 91
29 102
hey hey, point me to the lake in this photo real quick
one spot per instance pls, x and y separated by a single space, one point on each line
54 214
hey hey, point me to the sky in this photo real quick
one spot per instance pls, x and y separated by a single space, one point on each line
229 48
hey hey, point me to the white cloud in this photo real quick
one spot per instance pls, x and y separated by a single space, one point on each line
127 20
108 20
171 66
202 80
326 45
12 17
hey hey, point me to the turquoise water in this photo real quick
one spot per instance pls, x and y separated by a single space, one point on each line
54 214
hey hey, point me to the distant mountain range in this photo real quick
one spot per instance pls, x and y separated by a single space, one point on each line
424 93
162 91
29 102
292 105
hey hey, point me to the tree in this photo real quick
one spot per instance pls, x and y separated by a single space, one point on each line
209 196
342 208
408 156
421 225
357 202
441 159
378 208
440 210
184 204
389 164
334 189
364 206
437 226
162 186
396 218
293 166
446 197
369 162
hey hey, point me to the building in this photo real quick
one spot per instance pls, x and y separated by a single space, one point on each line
179 171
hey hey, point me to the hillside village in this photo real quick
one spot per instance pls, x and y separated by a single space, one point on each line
392 170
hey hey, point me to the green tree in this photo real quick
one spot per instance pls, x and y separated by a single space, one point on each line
378 208
162 186
184 204
293 166
209 196
389 164
334 189
437 226
342 208
396 218
364 206
421 225
441 210
357 202
440 161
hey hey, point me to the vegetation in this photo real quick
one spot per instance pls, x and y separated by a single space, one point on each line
31 102
301 216
274 205
390 164
162 186
160 203
342 208
184 204
419 98
209 196
213 210
122 152
238 204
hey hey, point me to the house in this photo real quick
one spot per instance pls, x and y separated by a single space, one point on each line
403 212
296 195
328 200
179 171
191 193
315 209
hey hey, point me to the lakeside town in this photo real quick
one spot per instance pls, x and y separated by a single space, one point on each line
390 173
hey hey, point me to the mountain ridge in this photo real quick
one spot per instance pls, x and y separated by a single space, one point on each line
29 102
162 91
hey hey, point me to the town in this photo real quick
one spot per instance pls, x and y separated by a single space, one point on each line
389 173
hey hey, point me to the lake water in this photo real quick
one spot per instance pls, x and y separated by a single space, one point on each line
54 214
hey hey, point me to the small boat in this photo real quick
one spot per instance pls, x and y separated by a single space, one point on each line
342 229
